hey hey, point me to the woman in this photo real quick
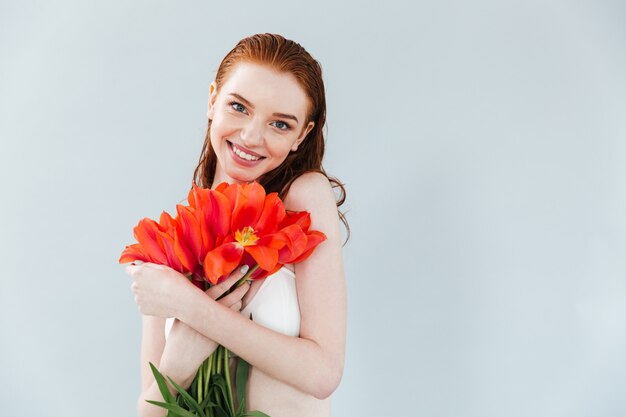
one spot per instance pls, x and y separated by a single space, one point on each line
266 112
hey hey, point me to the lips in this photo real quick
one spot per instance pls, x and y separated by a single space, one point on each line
244 155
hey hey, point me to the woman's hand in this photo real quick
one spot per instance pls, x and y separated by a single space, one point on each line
159 290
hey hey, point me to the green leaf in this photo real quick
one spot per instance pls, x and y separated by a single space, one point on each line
219 391
193 389
229 386
241 379
165 392
218 379
173 408
219 382
240 410
188 398
207 403
221 413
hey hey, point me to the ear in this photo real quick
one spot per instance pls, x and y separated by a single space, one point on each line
305 132
211 102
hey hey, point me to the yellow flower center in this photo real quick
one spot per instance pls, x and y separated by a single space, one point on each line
246 236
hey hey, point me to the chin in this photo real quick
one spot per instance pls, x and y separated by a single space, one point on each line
239 176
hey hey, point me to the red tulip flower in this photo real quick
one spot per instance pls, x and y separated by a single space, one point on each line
254 223
299 241
222 229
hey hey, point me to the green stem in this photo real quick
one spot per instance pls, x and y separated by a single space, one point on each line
218 363
207 375
216 393
199 384
245 277
229 388
218 368
240 282
207 378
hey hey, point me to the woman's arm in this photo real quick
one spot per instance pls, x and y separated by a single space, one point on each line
180 356
152 345
313 362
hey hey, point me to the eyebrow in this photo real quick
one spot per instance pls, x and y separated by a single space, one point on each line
247 103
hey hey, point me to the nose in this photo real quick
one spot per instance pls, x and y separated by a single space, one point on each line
252 133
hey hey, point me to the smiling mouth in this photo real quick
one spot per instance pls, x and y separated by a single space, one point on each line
242 154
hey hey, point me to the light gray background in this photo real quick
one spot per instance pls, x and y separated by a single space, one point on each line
483 146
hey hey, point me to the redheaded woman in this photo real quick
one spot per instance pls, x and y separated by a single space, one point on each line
266 114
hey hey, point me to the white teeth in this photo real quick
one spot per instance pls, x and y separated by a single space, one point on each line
244 155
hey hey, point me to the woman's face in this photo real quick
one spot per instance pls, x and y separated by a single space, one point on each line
259 116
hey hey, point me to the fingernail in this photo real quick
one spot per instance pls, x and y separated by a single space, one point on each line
244 269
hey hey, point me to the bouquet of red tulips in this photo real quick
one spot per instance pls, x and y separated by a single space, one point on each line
219 231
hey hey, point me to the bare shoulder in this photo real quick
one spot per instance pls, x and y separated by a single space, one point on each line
311 192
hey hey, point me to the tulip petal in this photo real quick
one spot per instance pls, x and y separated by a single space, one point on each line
221 187
218 215
296 244
183 253
191 231
199 284
168 243
314 238
265 256
273 240
261 273
208 242
301 218
191 196
222 260
166 221
133 253
231 192
249 206
145 233
197 196
273 213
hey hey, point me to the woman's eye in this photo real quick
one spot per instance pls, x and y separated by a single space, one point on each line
238 107
281 125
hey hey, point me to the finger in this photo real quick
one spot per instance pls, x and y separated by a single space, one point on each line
234 296
236 306
134 269
216 290
130 269
239 292
154 266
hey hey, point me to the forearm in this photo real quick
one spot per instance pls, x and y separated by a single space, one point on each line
297 361
180 361
145 409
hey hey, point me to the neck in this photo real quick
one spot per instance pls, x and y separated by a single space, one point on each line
221 177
